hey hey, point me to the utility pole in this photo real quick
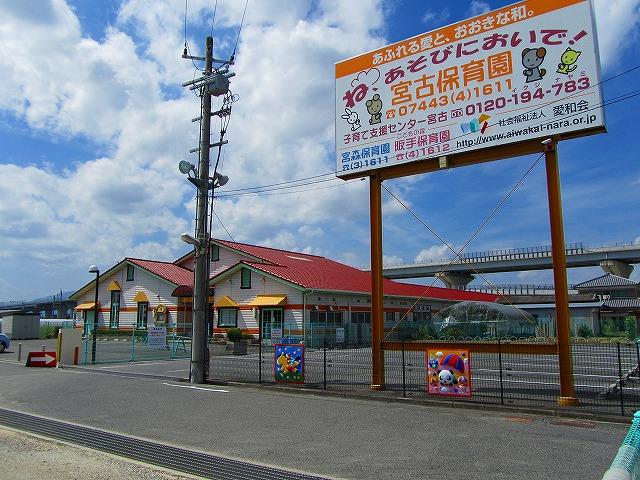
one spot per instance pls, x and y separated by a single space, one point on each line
201 282
212 83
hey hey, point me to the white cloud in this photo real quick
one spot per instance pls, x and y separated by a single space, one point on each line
478 7
132 201
389 260
617 22
433 253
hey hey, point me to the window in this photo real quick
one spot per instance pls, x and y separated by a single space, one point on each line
325 319
130 270
245 278
360 317
214 252
227 317
389 317
143 309
114 318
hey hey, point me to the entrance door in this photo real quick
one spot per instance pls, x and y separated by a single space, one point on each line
271 318
89 315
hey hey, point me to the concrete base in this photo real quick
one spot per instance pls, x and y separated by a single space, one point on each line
616 267
458 281
568 401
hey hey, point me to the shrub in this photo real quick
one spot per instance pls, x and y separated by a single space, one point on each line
584 331
234 334
631 327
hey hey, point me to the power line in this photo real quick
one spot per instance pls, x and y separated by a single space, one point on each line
458 253
267 187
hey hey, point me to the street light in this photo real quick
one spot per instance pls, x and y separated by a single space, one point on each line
94 269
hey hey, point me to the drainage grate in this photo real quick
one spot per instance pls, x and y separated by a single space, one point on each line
174 458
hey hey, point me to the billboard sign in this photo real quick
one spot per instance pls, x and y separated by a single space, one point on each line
526 71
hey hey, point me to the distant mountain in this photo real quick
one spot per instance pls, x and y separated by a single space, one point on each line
48 298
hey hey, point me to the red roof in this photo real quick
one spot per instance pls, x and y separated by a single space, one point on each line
320 273
169 271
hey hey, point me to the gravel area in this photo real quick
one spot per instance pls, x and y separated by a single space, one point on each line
27 457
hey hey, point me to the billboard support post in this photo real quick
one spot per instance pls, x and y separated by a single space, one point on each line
567 393
377 299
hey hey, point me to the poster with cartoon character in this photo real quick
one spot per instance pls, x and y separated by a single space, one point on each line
289 363
449 373
522 72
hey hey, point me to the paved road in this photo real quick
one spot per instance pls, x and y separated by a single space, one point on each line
338 437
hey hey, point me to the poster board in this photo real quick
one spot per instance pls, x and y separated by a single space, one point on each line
449 373
289 363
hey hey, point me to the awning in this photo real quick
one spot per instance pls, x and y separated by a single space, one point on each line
141 297
114 286
268 301
87 306
225 302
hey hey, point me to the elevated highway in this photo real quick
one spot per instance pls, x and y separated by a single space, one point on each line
617 259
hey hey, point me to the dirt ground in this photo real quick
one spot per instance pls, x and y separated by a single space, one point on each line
27 457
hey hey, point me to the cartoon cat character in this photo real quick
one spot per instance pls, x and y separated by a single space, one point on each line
532 58
568 61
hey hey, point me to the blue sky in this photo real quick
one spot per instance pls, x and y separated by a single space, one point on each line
93 122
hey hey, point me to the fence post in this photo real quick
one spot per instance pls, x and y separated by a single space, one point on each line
637 357
620 379
260 358
133 343
500 366
86 349
404 383
324 375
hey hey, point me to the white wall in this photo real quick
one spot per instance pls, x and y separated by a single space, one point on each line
158 292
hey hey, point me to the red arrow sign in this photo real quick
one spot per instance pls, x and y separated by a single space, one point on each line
41 359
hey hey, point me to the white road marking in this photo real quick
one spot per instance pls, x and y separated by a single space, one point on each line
175 371
133 364
196 388
15 362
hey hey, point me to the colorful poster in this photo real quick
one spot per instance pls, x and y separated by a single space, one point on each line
449 373
522 72
289 363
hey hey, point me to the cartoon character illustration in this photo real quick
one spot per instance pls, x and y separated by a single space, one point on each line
351 116
447 378
433 363
374 106
287 364
567 61
532 58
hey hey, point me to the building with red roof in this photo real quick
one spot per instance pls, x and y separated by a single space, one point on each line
264 291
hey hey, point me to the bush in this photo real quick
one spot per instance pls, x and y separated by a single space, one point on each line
234 334
584 331
451 331
631 327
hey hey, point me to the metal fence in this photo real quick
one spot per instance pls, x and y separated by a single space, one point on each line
606 375
113 346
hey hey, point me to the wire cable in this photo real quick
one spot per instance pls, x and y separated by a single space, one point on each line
240 29
215 8
457 254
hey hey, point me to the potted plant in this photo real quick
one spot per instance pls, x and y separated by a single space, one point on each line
235 336
219 346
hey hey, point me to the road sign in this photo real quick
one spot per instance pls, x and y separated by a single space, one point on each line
41 359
